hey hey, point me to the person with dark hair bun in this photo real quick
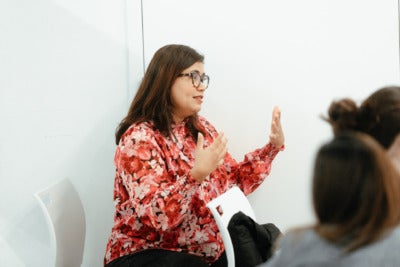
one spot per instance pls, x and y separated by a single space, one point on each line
356 196
378 116
170 162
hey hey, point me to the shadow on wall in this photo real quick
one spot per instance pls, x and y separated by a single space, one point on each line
26 236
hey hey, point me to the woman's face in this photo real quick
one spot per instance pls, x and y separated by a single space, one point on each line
186 98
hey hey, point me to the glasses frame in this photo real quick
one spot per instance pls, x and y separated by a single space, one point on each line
202 78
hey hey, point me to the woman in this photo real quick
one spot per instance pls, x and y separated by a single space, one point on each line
378 116
356 196
170 162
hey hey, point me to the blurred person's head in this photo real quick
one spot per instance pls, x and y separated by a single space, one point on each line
356 191
378 115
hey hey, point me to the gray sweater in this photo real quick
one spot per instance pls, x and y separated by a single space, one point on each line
307 249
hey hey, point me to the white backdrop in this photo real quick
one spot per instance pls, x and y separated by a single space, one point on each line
70 68
63 89
299 55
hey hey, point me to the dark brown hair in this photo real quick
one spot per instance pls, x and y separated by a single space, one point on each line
378 115
152 101
356 191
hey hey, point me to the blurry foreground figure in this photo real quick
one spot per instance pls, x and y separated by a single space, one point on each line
356 197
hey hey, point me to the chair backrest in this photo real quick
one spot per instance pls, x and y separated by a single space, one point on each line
223 208
65 217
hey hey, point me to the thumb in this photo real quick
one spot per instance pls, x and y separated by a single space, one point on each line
200 140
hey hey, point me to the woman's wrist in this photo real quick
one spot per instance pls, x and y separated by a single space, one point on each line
198 176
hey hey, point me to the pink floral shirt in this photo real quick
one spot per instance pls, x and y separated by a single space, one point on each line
158 204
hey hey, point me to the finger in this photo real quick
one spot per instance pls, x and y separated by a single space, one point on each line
277 117
274 127
222 155
219 141
276 124
220 162
221 137
200 140
222 146
276 113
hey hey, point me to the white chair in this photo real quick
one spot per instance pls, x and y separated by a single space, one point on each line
65 217
223 208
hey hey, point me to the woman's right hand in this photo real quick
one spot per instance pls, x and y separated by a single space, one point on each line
208 159
276 136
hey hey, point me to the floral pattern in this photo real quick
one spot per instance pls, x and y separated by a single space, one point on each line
157 202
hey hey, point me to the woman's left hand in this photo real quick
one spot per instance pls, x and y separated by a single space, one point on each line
276 137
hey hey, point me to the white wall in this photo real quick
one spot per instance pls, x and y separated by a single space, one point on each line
67 79
299 55
63 89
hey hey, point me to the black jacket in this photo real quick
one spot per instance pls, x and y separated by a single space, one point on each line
252 242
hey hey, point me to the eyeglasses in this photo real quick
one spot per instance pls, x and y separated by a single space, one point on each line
197 79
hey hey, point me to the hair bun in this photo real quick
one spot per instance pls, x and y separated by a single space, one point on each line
343 115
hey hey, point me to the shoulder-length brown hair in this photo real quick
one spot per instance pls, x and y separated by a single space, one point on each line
152 101
356 191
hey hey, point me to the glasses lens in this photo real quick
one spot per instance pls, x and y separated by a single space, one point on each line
196 79
205 81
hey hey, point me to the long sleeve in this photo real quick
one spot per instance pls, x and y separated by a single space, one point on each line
255 167
159 205
160 200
